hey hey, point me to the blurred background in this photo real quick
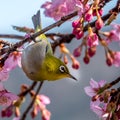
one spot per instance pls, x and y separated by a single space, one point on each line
68 99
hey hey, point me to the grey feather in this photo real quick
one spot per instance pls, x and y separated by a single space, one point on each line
36 20
31 55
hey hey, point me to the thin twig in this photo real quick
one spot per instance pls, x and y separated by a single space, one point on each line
12 36
28 90
32 102
109 85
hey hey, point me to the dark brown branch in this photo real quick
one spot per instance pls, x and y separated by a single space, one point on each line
13 36
58 23
109 85
32 102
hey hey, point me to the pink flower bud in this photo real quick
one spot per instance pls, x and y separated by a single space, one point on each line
7 112
76 64
92 40
99 23
77 52
109 61
75 23
79 35
100 12
86 59
34 112
89 15
92 51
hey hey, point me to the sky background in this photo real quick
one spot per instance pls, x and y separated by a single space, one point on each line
68 99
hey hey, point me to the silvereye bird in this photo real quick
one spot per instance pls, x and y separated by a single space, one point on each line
38 61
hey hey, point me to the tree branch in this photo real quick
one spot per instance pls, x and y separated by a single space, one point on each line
32 102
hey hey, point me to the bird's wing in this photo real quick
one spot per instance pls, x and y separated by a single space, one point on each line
38 53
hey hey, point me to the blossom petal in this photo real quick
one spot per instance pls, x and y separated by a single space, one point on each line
4 75
44 99
101 83
7 98
89 91
94 84
95 108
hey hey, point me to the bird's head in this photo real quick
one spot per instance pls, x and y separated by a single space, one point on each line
57 69
63 72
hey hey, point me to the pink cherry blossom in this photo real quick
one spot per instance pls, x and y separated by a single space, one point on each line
4 74
114 35
59 8
116 60
40 105
92 40
12 61
100 109
6 98
94 87
82 9
44 99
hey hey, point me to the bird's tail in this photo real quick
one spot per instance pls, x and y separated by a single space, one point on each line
36 19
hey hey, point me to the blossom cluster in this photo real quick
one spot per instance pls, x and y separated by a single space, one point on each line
93 36
11 62
105 103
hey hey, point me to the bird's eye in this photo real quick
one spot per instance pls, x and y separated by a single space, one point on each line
62 68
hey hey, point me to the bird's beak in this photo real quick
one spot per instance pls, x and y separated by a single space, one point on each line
71 76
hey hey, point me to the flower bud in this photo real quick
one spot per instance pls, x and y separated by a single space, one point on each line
34 113
79 35
109 61
75 23
92 51
77 52
99 23
89 15
75 63
86 59
24 87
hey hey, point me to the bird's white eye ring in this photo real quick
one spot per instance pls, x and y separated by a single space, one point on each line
62 68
